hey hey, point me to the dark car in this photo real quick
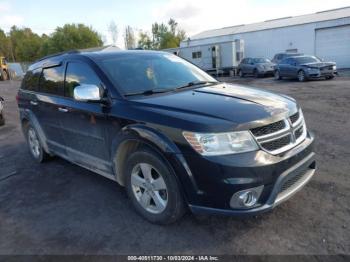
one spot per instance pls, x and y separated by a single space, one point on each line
2 118
281 56
304 68
171 134
255 66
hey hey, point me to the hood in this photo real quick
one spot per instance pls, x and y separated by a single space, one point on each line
266 64
229 102
318 64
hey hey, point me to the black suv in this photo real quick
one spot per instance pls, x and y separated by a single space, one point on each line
167 131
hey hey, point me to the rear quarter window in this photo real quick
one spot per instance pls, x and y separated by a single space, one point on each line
31 80
51 80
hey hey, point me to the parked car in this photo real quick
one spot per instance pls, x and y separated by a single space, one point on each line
281 56
255 66
171 134
2 118
304 68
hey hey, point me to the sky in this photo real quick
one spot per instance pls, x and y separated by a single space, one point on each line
194 16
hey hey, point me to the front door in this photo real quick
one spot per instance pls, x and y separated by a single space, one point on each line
85 124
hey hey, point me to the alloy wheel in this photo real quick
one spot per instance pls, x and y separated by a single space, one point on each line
277 75
149 188
34 143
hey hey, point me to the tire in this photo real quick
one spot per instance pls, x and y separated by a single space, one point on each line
329 77
34 145
277 75
145 172
301 76
3 75
240 73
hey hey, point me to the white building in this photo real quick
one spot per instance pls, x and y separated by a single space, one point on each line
325 34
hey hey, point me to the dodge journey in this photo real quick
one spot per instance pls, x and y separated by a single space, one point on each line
173 136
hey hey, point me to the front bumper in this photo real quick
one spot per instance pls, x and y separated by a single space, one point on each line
219 178
305 169
321 74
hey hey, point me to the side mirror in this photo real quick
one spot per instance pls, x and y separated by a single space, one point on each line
87 93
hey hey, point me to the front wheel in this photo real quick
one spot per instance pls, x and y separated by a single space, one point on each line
153 188
278 75
301 76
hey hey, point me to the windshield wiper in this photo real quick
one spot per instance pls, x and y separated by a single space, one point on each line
195 83
148 92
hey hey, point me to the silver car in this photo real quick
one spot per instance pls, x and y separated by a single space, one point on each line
255 66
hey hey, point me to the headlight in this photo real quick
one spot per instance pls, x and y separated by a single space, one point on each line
211 144
334 67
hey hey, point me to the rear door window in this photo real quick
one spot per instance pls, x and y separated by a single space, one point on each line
51 81
77 74
31 80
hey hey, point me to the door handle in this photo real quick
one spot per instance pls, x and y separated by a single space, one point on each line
34 103
63 110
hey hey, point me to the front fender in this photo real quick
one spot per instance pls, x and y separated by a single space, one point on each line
161 144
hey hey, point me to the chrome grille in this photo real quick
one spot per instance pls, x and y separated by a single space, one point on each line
294 117
268 129
282 135
276 144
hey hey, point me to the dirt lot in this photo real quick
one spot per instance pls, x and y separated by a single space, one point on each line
60 208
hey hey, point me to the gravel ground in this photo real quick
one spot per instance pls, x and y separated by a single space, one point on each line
60 208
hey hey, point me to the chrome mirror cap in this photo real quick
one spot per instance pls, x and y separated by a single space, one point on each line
87 93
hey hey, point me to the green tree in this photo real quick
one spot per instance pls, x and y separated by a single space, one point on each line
4 44
129 38
24 44
163 36
73 36
145 41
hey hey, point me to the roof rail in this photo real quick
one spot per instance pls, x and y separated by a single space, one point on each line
57 54
278 19
335 9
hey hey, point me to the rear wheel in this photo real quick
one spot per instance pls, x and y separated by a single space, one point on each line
301 76
34 144
152 188
278 75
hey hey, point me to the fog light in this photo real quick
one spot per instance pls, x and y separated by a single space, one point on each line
246 198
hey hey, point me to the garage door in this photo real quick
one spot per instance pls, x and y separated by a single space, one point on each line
333 44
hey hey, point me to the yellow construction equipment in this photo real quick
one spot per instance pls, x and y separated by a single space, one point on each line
4 70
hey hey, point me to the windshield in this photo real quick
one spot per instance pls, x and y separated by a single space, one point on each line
261 60
141 72
306 59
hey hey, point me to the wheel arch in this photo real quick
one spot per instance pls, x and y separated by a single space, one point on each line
26 117
133 137
136 136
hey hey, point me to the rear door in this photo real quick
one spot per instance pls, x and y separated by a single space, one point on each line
250 66
85 125
292 68
283 67
46 106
